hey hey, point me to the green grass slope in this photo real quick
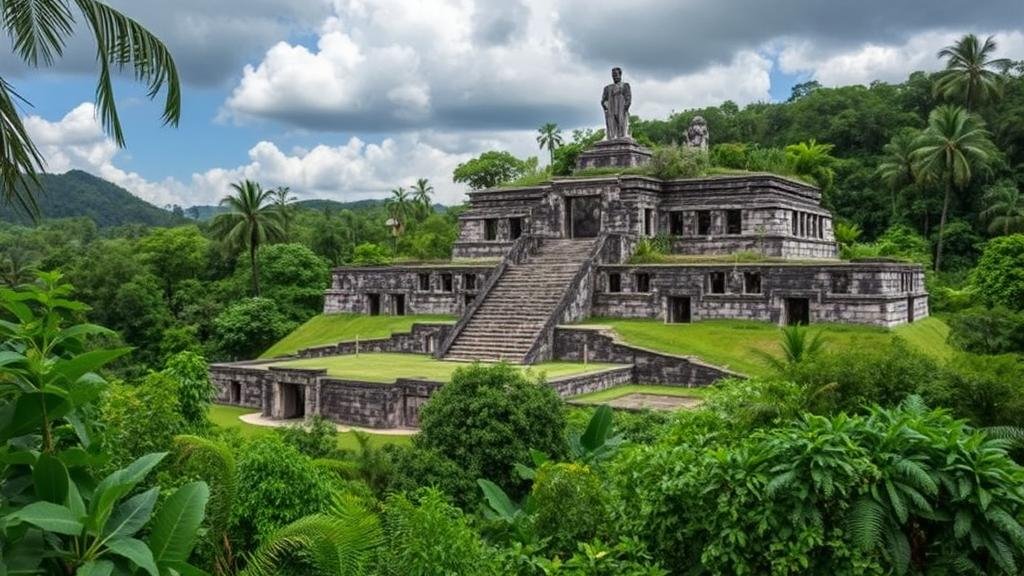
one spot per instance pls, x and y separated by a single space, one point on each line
331 328
732 343
228 417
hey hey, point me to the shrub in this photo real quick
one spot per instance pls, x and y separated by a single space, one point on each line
248 327
488 418
316 438
986 390
729 155
996 330
650 250
570 504
141 419
414 467
370 254
277 485
672 162
999 276
190 373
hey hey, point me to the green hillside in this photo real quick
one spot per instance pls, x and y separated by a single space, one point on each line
76 193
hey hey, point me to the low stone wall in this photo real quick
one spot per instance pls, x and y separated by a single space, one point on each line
649 366
593 382
421 339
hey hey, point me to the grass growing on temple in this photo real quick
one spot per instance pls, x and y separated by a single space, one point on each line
332 328
733 344
385 367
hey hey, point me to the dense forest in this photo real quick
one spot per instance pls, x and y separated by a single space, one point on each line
886 460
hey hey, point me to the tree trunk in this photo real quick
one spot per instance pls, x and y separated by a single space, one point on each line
255 270
942 222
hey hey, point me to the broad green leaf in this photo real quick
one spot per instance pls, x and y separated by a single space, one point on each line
49 517
132 514
72 369
8 357
184 569
18 457
173 532
75 502
116 485
50 478
23 555
498 499
28 414
598 429
136 551
95 568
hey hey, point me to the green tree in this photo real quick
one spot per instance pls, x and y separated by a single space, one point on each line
400 208
999 276
248 327
813 160
285 202
549 136
1004 208
191 376
897 167
421 195
293 277
490 169
951 149
174 254
253 219
971 74
39 31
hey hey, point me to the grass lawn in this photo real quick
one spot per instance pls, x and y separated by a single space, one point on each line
620 391
227 417
385 368
331 328
731 343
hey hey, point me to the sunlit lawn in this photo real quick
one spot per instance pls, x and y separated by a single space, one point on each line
733 344
620 391
333 328
227 417
387 367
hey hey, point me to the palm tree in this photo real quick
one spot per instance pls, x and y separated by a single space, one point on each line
284 200
399 207
846 233
812 160
798 345
897 168
969 73
950 149
253 220
16 268
1005 211
549 136
421 192
39 31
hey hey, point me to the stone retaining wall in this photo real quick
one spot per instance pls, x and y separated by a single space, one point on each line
421 339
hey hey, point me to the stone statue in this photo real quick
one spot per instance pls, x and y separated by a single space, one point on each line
615 101
697 133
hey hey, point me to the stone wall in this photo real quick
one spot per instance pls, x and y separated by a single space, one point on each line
571 343
593 382
421 339
448 287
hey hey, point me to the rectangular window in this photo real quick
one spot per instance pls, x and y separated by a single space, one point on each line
614 282
840 282
821 228
424 282
703 222
675 223
643 283
648 222
751 282
716 282
515 228
490 229
469 281
794 222
446 282
733 221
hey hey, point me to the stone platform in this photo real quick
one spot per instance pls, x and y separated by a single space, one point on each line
619 153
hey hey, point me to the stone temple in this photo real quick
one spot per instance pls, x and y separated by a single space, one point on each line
529 261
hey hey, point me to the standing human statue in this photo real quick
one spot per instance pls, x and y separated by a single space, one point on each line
615 101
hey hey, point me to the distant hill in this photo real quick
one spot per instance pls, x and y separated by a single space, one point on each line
76 193
318 204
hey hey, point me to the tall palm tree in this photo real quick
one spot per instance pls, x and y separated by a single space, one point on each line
549 136
39 31
1005 208
897 168
949 151
421 195
813 160
399 206
970 74
284 200
253 220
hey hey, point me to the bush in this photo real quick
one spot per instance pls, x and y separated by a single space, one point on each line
190 373
369 254
316 438
650 250
248 327
277 485
141 419
570 504
488 418
672 162
999 276
986 390
414 467
729 155
996 330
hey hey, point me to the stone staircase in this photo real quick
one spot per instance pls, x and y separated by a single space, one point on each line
513 314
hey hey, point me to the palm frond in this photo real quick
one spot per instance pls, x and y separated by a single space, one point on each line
330 544
38 28
20 161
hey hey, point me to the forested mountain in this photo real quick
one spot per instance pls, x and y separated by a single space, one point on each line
77 193
207 212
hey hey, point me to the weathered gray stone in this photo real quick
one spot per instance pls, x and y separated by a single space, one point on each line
615 101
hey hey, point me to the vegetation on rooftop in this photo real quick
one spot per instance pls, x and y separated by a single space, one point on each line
325 329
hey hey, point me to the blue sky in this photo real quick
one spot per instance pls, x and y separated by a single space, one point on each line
346 99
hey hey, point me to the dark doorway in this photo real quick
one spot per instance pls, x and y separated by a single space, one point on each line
398 301
293 401
910 309
583 215
373 303
679 309
515 228
675 223
648 222
235 393
798 311
703 222
490 229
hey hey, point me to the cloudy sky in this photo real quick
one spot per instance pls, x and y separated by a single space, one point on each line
347 99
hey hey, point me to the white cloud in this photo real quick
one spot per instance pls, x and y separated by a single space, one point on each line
886 62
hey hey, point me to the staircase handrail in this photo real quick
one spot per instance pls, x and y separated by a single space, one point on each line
546 333
516 254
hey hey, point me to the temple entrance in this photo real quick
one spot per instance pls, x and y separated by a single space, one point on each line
398 301
583 216
373 304
910 309
293 401
679 309
798 311
235 393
